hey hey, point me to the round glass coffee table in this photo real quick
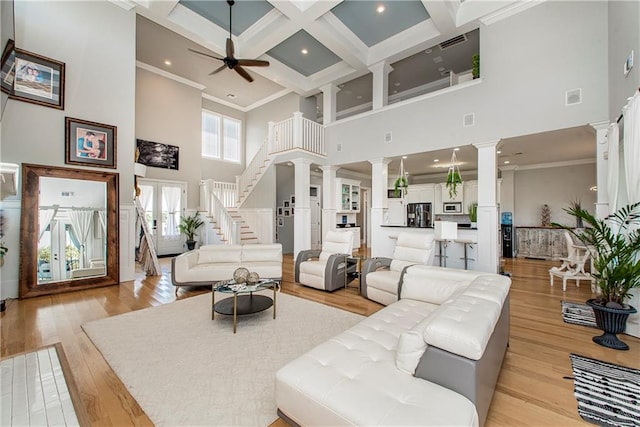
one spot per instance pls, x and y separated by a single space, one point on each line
243 301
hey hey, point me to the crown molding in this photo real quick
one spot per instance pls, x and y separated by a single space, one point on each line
170 76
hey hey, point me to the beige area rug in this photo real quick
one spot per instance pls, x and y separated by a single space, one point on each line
185 369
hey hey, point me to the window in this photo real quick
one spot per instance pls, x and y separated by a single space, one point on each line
221 137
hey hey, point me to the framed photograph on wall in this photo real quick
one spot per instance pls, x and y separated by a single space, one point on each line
8 69
292 213
287 212
280 211
38 80
293 200
158 155
90 143
285 203
280 221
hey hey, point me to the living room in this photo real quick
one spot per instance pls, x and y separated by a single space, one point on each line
517 96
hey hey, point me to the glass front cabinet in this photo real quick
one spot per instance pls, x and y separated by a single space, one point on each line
348 196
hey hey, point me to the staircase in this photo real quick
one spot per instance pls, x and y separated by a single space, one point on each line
222 201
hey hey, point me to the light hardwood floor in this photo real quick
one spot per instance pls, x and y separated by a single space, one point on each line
531 390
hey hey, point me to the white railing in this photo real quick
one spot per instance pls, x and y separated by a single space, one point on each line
312 137
226 192
282 136
253 172
228 227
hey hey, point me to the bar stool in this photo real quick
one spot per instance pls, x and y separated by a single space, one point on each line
445 232
468 244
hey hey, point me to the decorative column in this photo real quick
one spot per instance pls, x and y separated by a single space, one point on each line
488 224
602 168
379 184
380 72
302 208
329 103
329 209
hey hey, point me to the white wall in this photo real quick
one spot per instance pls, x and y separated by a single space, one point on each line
555 187
99 86
285 183
624 36
528 61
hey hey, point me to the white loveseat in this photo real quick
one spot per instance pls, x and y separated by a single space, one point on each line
213 263
431 358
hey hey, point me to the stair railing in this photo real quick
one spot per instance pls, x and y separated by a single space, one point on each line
252 173
229 229
226 192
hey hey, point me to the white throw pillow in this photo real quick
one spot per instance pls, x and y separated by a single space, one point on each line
411 347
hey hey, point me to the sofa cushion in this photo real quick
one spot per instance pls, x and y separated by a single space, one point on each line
266 270
384 280
220 253
434 284
262 253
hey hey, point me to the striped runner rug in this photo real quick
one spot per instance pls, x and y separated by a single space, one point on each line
578 314
607 394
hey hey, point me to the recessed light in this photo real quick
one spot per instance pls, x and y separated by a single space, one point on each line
440 68
359 97
436 160
594 188
437 59
304 51
395 91
404 157
167 62
380 8
499 152
396 84
231 95
506 162
456 149
428 51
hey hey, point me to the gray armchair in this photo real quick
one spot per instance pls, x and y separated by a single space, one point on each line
326 269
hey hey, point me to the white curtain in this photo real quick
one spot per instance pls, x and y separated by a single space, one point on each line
102 215
613 183
45 216
171 204
81 223
632 147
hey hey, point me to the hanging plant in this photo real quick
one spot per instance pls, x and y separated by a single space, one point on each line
401 184
453 177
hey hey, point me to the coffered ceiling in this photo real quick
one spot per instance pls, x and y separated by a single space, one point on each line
341 40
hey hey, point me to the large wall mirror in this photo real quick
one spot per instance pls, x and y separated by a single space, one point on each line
69 230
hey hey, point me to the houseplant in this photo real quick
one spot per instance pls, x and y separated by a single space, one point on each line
614 245
189 226
453 179
400 185
475 61
473 214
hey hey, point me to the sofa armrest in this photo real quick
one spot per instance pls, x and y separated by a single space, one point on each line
370 265
302 257
335 271
182 262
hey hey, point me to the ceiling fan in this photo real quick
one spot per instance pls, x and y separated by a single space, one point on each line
230 61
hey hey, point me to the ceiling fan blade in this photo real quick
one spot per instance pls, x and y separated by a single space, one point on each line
230 47
217 70
204 54
243 73
253 63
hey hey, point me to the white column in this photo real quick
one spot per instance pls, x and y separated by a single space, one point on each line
488 223
602 168
329 209
329 103
379 183
302 209
380 72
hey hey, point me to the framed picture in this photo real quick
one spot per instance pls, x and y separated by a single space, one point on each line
280 211
90 144
38 80
158 155
292 211
287 212
8 69
293 200
285 203
280 221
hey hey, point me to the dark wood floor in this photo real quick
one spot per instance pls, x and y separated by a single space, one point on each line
531 390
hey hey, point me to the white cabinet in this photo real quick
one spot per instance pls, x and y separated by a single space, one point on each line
396 214
470 194
356 237
543 243
348 192
420 193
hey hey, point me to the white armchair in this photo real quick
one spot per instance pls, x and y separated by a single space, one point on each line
573 266
381 278
326 269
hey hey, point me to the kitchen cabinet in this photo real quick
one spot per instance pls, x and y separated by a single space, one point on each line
420 193
471 193
396 213
348 192
543 243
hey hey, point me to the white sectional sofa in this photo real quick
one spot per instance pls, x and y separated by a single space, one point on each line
431 358
213 263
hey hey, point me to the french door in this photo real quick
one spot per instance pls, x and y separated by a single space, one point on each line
164 203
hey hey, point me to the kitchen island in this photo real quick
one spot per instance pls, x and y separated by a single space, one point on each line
455 249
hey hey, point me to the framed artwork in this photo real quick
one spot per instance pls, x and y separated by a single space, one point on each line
285 203
293 200
292 211
280 221
38 80
280 211
90 143
287 212
8 69
158 155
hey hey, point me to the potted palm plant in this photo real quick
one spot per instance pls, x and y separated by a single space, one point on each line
614 245
189 226
473 214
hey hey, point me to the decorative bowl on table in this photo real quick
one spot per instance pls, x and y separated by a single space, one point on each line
241 275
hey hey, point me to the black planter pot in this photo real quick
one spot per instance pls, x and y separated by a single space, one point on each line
612 321
191 244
